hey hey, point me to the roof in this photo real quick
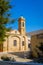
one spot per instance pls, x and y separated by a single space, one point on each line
21 17
13 32
35 32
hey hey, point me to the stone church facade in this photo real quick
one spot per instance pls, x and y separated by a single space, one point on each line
16 41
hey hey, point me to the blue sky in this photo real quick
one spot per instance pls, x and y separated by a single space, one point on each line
31 10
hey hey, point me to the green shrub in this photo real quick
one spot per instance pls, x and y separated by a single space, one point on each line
5 58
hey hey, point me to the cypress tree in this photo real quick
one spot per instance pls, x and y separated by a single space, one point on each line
4 18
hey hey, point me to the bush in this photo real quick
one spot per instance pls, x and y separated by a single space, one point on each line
40 60
5 58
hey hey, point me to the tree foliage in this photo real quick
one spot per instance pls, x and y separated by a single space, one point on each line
39 50
4 18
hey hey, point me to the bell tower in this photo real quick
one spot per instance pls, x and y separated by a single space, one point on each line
21 23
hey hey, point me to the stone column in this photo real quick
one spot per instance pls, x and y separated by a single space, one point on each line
19 43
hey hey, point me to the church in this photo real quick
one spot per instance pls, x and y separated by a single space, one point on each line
16 40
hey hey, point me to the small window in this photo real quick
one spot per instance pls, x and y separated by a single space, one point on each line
23 24
15 31
15 42
22 43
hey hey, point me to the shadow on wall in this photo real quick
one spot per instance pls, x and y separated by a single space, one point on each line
21 54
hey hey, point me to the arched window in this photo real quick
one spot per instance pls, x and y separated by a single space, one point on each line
22 24
22 43
15 42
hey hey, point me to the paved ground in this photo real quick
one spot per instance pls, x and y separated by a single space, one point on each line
19 61
17 58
